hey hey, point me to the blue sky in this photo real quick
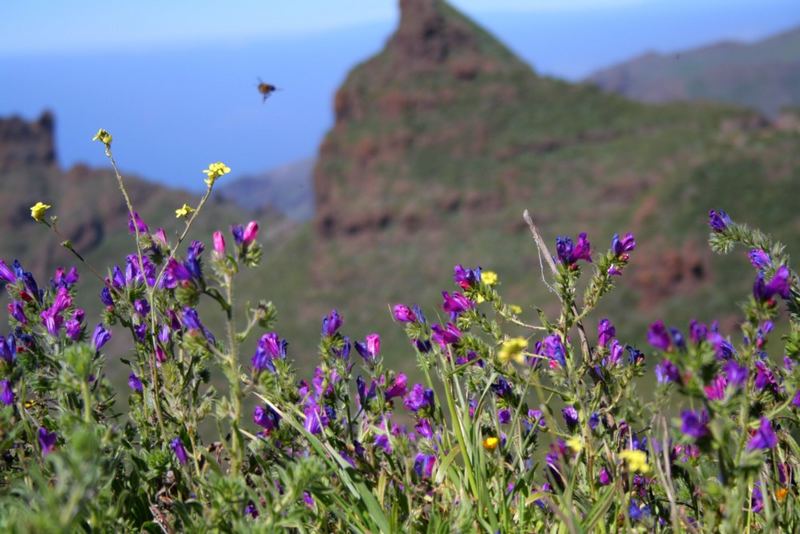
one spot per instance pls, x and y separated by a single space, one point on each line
175 80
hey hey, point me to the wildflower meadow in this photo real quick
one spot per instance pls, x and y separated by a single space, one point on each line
523 421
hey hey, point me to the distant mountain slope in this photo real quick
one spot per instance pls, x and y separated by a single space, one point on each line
287 190
764 75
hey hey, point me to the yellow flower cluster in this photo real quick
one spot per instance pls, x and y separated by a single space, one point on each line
489 278
184 211
513 349
214 171
635 460
103 136
575 443
38 211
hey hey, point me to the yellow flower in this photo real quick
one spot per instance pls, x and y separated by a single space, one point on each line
103 136
575 443
516 310
781 494
38 210
489 278
513 349
491 443
214 171
184 211
635 460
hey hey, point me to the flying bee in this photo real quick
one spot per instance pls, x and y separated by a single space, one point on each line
266 89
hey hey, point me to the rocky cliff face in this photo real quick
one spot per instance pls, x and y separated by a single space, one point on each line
25 143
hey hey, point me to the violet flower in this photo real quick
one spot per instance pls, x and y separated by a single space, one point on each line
105 297
760 259
466 278
447 335
418 398
47 441
694 425
180 451
423 465
270 347
605 332
620 247
403 314
266 417
138 222
456 303
424 429
331 323
554 349
6 393
764 437
8 348
135 383
100 337
667 372
658 336
718 220
6 274
569 253
570 417
397 388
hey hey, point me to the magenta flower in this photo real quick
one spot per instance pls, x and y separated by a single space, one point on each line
554 349
250 233
716 389
6 274
604 478
17 311
370 348
764 437
760 259
267 418
424 428
74 327
455 303
404 314
136 223
270 347
219 243
397 388
423 465
446 335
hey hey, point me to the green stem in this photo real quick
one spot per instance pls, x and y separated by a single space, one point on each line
233 378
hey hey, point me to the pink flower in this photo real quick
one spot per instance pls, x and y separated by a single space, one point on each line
250 232
219 243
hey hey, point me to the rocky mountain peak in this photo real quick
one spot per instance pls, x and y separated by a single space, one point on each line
24 143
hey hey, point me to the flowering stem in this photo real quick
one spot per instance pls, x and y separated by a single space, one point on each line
151 360
233 378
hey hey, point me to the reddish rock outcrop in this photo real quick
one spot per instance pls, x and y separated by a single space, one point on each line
27 143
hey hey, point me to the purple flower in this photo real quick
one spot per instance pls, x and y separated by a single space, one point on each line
418 398
760 259
192 262
694 425
735 373
141 307
501 387
716 389
764 377
8 348
554 349
6 393
455 304
637 512
270 347
266 417
6 274
403 314
605 332
74 327
423 428
615 355
191 321
100 337
364 395
17 311
570 417
658 336
237 230
316 417
466 278
796 399
397 388
105 297
382 441
757 500
780 284
308 499
569 253
718 220
622 246
604 478
447 335
180 452
423 465
251 510
667 372
764 437
138 222
175 272
370 348
504 416
47 441
64 279
134 383
331 323
697 331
